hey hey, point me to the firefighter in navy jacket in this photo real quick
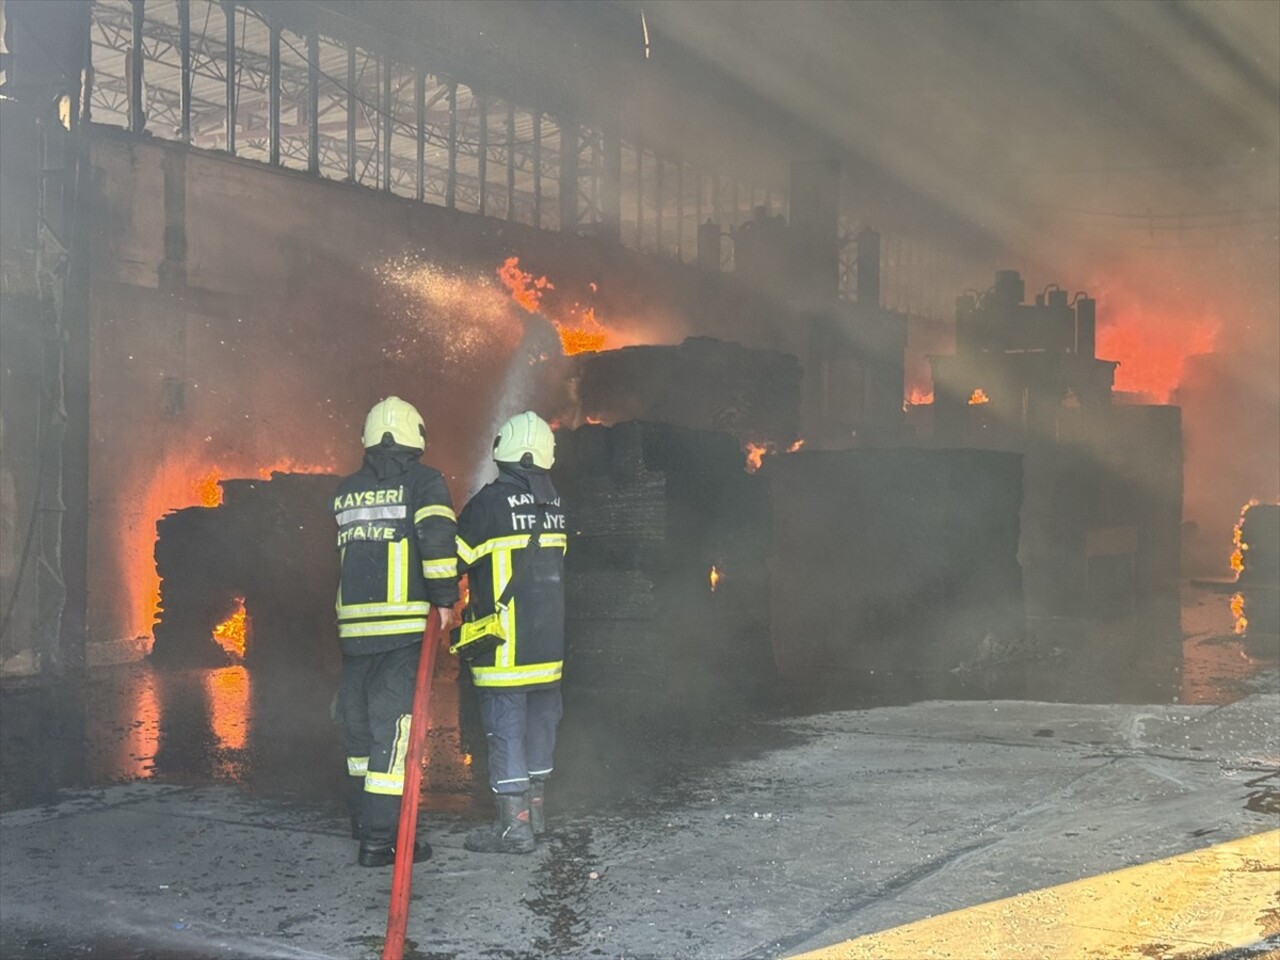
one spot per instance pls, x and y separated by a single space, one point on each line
519 681
396 541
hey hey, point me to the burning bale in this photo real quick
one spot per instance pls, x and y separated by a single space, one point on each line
667 576
894 561
702 384
251 578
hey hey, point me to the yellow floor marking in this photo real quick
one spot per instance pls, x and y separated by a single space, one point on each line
1189 906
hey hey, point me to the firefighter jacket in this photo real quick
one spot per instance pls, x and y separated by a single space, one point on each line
396 530
493 535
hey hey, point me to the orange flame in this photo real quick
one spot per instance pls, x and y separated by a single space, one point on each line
795 446
978 396
755 454
715 578
584 333
919 397
1152 344
210 490
587 337
1237 555
232 632
525 289
1237 611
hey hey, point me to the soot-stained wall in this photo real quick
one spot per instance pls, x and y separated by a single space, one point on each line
243 319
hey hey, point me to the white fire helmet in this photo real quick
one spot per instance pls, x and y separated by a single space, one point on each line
400 419
525 433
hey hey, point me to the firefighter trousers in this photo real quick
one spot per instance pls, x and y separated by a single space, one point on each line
375 698
520 732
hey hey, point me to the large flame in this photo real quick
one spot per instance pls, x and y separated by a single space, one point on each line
1152 337
579 329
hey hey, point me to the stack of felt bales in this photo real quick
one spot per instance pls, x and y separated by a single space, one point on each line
271 544
652 508
894 560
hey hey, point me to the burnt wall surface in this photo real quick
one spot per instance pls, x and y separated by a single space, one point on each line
651 509
243 319
702 384
894 561
269 545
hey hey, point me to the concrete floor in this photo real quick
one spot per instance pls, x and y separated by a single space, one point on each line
757 837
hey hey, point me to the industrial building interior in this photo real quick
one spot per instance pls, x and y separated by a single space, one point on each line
915 374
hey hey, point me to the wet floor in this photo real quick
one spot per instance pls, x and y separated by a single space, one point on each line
271 732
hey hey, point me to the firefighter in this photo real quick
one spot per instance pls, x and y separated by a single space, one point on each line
518 680
396 541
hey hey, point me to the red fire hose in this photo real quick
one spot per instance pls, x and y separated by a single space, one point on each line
402 878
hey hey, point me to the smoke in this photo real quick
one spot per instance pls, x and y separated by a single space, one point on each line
1131 150
525 382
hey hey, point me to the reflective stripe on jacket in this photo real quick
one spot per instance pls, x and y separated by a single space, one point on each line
493 535
396 539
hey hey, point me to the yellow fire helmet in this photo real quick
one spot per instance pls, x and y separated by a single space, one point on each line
398 418
525 433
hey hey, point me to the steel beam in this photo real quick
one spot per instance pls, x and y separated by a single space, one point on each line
639 195
351 112
385 123
274 94
451 180
659 166
511 161
184 51
537 169
229 11
313 102
570 135
137 120
483 169
680 209
420 104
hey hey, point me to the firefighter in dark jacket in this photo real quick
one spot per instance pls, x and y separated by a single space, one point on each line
519 680
396 541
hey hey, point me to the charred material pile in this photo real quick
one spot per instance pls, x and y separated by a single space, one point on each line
895 562
703 384
667 573
269 549
1259 580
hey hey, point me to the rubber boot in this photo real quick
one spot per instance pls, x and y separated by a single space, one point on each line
509 833
537 816
374 854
